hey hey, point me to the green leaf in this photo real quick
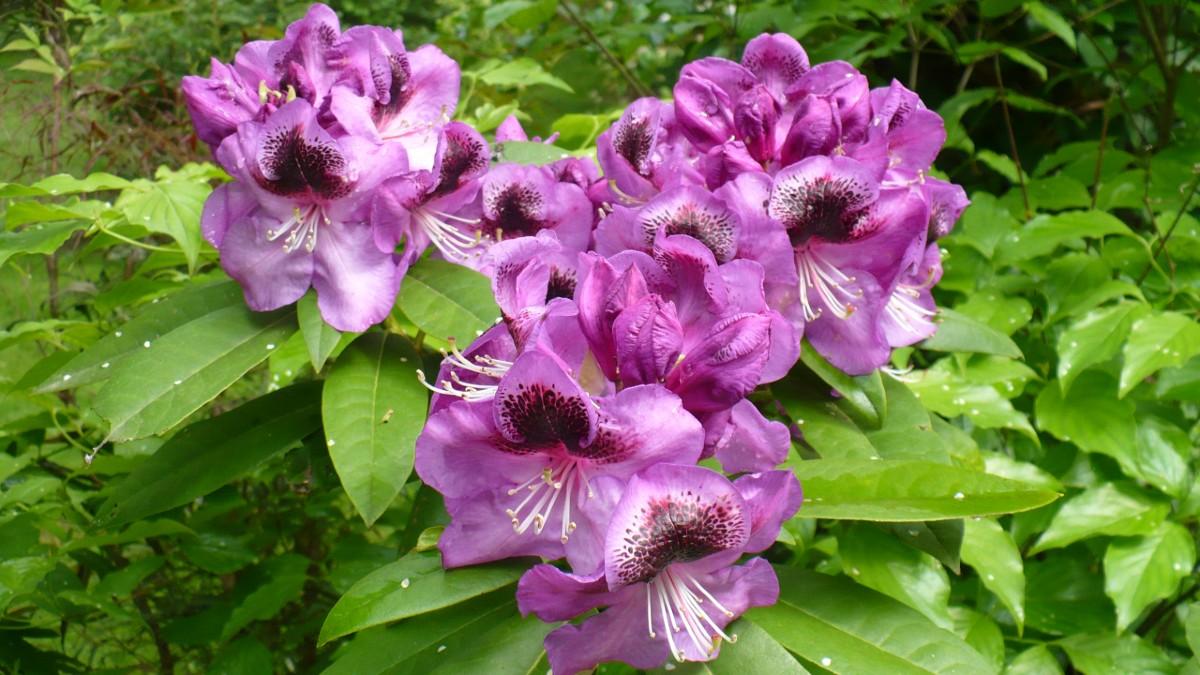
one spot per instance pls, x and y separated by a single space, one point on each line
1102 654
1142 570
829 431
941 539
320 338
241 657
1192 627
847 628
1026 59
1064 593
860 396
96 362
1108 509
985 224
959 333
995 310
413 585
981 632
1045 233
448 301
65 184
1052 21
373 407
907 433
522 72
1077 282
511 646
878 560
170 204
1057 192
1034 661
376 650
40 239
755 652
902 490
1074 417
281 580
990 551
169 379
1155 342
1093 339
211 453
951 394
1160 457
529 152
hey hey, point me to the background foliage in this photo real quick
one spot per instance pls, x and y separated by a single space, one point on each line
217 528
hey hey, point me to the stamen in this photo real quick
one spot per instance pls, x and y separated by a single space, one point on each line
649 614
676 599
904 310
830 284
452 242
301 228
467 392
562 477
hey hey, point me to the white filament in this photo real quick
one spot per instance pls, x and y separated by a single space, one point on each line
680 605
563 477
301 229
830 284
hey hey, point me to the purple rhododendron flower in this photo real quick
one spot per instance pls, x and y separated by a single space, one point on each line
669 584
536 470
297 217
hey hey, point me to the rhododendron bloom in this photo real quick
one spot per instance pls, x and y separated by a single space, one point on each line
537 469
669 583
297 217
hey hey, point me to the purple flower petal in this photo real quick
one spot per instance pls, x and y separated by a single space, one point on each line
648 339
750 442
356 283
771 498
616 634
270 275
461 453
538 405
725 366
555 595
777 60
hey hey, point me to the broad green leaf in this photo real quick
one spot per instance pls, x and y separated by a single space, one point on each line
210 453
1071 283
280 582
1045 233
1034 661
142 529
860 396
981 632
1104 654
170 204
1108 509
96 362
847 628
1155 342
1094 338
529 152
376 650
320 338
522 72
240 657
1074 417
1057 192
518 13
218 553
754 652
908 432
413 585
172 377
990 551
1001 164
1161 456
993 309
41 239
941 539
1142 570
1192 627
829 431
985 224
448 301
373 407
960 333
125 580
511 646
1064 594
902 490
1179 384
951 394
1026 59
1052 21
65 184
878 560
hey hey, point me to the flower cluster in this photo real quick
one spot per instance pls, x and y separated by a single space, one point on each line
643 302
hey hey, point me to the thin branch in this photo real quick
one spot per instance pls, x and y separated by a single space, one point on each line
1162 242
1100 154
572 16
1012 138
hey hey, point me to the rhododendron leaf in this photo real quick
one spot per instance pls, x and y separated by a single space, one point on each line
373 407
170 204
904 490
858 395
1108 653
446 300
210 453
960 333
847 628
320 338
170 378
413 585
878 560
96 362
990 551
1094 338
1140 571
529 152
1108 509
1155 342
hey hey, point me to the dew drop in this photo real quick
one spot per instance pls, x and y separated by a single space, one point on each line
441 648
118 333
826 661
669 666
991 577
974 411
331 443
958 496
66 377
178 382
854 571
405 583
105 364
270 346
146 344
